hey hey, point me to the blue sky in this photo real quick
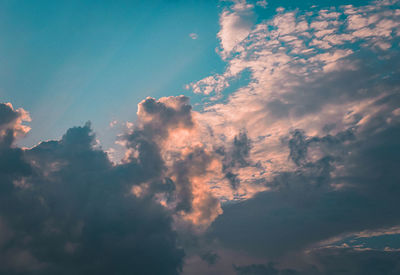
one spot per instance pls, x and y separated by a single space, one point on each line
92 61
95 61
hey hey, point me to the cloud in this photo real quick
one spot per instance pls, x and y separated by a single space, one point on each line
72 212
333 261
351 188
210 257
236 22
236 157
260 269
113 123
12 165
320 112
194 36
295 84
11 123
262 3
302 155
176 164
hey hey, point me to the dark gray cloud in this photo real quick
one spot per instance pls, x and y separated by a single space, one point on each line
210 257
65 209
12 164
241 149
299 144
353 188
261 269
7 114
298 147
350 261
235 156
334 261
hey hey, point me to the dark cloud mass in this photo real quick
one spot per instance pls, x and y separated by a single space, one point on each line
210 257
235 156
334 261
353 188
65 209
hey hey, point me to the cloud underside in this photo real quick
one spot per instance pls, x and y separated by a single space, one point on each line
321 113
65 209
301 157
333 261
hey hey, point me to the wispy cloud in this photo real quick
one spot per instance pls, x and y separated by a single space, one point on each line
194 36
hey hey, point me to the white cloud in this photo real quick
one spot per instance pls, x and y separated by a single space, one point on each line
289 57
236 23
194 36
262 3
113 123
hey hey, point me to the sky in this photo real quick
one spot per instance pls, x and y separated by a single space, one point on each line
200 137
87 61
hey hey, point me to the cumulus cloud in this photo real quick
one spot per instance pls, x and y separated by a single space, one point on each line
12 165
11 123
160 144
66 209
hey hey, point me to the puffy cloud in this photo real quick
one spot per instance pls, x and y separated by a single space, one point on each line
210 84
262 3
295 84
12 165
75 214
194 36
236 23
11 123
161 146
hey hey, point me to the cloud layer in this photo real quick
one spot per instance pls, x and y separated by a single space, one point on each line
285 175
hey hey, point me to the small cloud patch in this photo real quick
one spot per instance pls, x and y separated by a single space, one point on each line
194 36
